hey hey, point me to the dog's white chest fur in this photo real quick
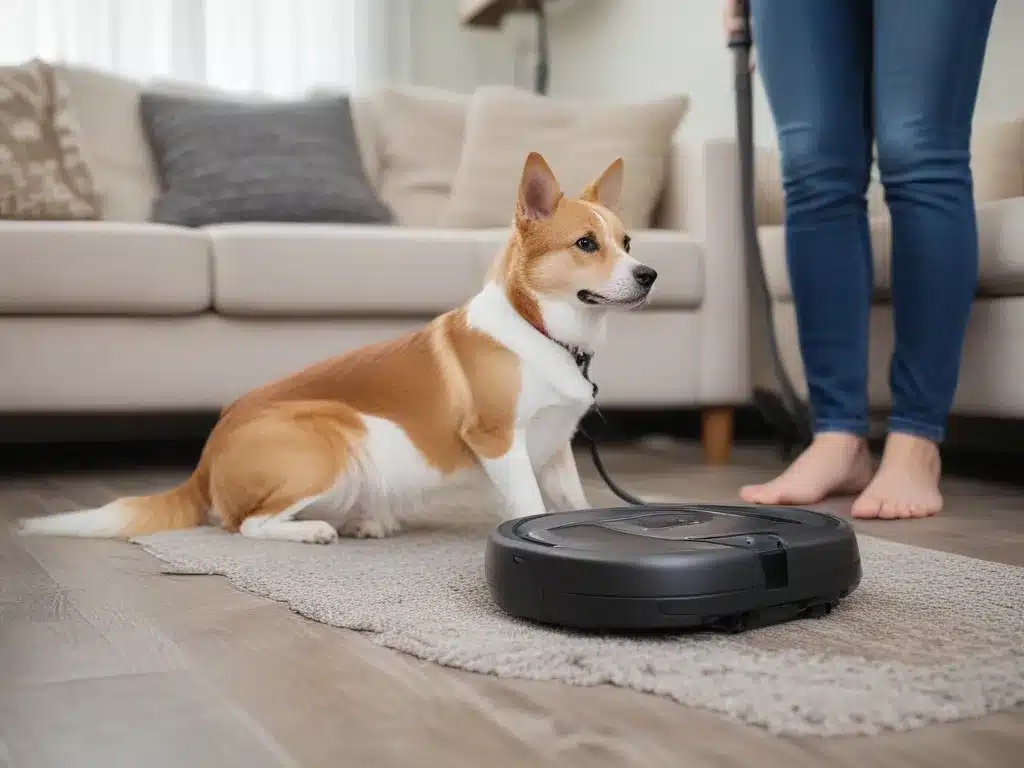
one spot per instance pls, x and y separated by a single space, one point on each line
548 418
549 373
554 395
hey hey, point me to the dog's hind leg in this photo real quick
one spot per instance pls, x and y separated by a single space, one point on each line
282 526
289 461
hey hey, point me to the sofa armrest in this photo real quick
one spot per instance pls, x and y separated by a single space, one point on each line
997 159
702 198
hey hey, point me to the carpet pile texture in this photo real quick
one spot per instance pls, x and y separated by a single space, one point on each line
928 636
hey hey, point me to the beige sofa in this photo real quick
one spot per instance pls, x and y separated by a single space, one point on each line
125 316
993 358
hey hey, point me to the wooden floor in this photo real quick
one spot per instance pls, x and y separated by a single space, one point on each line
105 661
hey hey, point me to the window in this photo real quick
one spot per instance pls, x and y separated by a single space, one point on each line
277 47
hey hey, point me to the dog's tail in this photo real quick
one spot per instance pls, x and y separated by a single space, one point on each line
181 507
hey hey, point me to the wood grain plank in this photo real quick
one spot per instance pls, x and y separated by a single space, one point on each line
993 741
166 719
604 726
101 613
21 577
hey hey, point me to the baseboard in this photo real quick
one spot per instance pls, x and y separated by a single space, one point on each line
613 424
977 447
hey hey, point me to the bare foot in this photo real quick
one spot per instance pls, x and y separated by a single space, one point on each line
907 483
834 463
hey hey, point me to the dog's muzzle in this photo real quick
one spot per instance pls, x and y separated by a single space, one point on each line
644 278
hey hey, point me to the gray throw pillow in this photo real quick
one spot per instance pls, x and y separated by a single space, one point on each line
231 161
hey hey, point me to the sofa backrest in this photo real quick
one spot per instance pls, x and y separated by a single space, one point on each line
107 108
997 163
410 139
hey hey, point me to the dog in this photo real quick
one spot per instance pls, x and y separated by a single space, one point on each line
493 389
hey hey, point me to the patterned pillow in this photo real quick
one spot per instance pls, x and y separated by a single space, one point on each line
225 161
43 173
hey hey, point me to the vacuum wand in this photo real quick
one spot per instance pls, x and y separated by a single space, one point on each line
791 416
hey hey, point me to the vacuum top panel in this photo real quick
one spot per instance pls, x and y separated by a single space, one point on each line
676 528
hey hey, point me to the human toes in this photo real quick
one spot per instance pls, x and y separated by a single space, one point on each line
889 501
925 510
867 506
930 503
894 509
763 493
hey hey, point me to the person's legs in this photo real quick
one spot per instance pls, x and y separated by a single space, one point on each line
815 61
927 67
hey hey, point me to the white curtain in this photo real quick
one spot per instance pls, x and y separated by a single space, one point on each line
276 47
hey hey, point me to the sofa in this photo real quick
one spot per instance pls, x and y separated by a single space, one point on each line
993 358
122 315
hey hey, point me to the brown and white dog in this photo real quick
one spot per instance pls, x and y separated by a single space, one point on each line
492 389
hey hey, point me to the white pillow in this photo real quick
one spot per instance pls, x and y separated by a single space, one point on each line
577 138
420 141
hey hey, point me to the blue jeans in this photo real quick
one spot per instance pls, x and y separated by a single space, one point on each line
842 77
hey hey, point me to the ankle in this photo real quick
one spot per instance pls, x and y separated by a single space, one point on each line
904 447
905 441
839 439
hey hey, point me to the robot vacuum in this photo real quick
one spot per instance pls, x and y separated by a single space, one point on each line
672 567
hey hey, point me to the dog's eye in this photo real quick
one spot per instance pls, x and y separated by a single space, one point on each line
587 244
625 243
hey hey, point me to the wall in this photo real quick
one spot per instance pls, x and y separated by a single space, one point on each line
445 54
635 49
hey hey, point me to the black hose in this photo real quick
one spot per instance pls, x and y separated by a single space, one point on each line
623 494
788 413
792 408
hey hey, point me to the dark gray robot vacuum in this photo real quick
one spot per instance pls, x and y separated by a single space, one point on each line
672 567
649 567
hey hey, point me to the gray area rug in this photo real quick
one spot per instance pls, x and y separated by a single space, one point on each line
928 637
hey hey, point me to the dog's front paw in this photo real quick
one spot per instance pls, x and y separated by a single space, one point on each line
370 528
318 532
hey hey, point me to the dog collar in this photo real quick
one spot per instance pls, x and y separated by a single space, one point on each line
582 358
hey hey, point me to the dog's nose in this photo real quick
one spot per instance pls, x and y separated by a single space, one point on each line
644 275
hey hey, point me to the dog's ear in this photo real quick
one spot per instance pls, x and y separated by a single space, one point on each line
539 191
606 189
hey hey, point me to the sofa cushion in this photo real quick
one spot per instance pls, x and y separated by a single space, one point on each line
1001 257
225 160
327 270
43 171
420 132
577 138
102 268
115 146
330 270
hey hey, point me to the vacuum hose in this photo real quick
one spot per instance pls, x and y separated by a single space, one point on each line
786 411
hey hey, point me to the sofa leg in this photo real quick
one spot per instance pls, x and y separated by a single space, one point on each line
716 435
